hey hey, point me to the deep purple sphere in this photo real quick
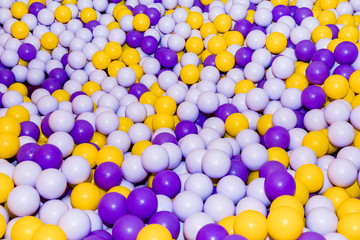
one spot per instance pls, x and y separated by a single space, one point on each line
101 233
111 207
127 227
7 77
238 169
305 50
184 128
29 128
346 52
142 202
169 220
26 152
317 72
51 84
277 136
35 8
164 137
243 26
226 110
279 11
325 56
311 236
210 60
313 97
148 44
301 14
48 156
212 231
133 38
243 56
107 175
168 58
59 74
154 15
279 183
27 52
45 128
82 131
166 182
344 70
270 167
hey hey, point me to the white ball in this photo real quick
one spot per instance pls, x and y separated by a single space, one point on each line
216 163
126 77
321 220
75 223
23 200
342 172
200 184
51 183
352 154
233 187
283 67
76 169
256 99
186 203
254 156
61 120
300 156
250 203
154 158
254 71
208 102
285 118
25 173
256 190
255 39
219 206
63 141
132 169
194 223
51 211
107 122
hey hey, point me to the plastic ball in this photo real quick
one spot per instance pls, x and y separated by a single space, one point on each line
251 224
154 231
276 42
25 227
168 220
211 231
187 203
9 145
75 223
277 136
336 86
112 206
85 196
49 40
127 227
48 156
341 133
63 14
51 183
348 226
50 232
23 200
107 175
142 202
167 183
313 97
341 172
279 183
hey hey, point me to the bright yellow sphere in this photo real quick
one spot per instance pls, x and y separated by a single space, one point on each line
222 23
109 154
2 226
321 32
346 19
101 60
328 4
301 192
189 74
156 89
25 227
114 67
63 14
148 98
278 154
354 81
49 232
228 223
19 113
19 30
125 124
224 61
326 17
18 10
61 95
349 226
217 44
348 206
317 141
312 177
288 201
165 104
235 123
139 147
10 124
195 20
353 190
336 86
85 196
336 195
234 37
130 56
49 41
244 86
154 232
251 224
141 22
163 120
88 151
120 189
207 29
195 45
349 33
113 50
264 123
88 14
90 87
9 145
6 186
276 42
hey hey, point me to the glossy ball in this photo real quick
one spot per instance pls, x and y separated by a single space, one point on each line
142 202
112 206
212 231
279 183
166 182
127 227
108 175
277 136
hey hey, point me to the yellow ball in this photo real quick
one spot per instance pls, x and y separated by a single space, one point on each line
353 190
165 104
354 82
244 86
336 86
49 232
141 22
312 177
6 186
222 23
348 206
195 20
235 123
61 95
130 56
25 227
326 17
251 224
90 87
285 223
138 71
113 50
252 176
101 60
2 226
228 223
154 232
349 33
125 124
224 61
139 147
301 192
63 14
114 67
317 141
189 74
276 42
321 32
287 201
328 4
336 195
19 30
333 44
19 113
297 80
88 14
349 226
85 196
234 37
113 25
88 151
9 145
156 89
49 41
217 44
162 120
120 189
346 19
264 123
195 45
148 98
207 29
18 10
109 154
278 154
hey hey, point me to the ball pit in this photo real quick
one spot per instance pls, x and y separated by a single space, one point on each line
186 119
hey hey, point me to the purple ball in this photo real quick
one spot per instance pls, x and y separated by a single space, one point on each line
311 236
346 52
153 14
45 128
168 58
235 237
279 11
279 183
301 14
82 131
75 94
201 119
51 85
243 26
48 156
94 237
313 97
101 233
64 59
138 89
133 38
257 27
91 25
226 110
252 6
59 74
140 8
27 52
164 137
27 152
210 60
198 3
111 207
243 56
300 119
261 83
127 227
238 169
107 175
29 128
212 231
184 128
35 8
270 167
325 56
7 77
169 220
344 70
317 72
142 202
334 29
277 136
149 44
167 183
305 50
293 10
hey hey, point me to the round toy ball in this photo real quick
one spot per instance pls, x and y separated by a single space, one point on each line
238 169
164 137
342 172
341 133
304 50
49 231
194 222
142 202
61 120
111 207
75 223
76 169
166 182
23 200
349 225
313 97
317 72
325 56
27 52
106 122
283 67
107 175
311 236
168 220
344 70
155 158
30 129
154 232
270 167
100 233
82 131
184 128
9 145
254 156
26 152
277 136
215 163
24 228
187 203
51 183
167 58
26 173
218 206
48 156
279 183
322 220
212 231
346 52
7 77
127 227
